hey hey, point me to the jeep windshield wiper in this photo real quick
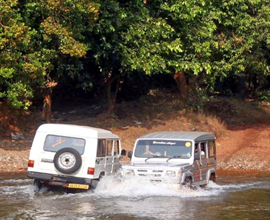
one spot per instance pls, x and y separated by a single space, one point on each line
174 157
155 156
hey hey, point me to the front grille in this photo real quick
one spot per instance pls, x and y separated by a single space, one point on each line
157 171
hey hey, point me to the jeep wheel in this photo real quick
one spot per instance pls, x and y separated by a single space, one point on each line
67 160
38 185
94 182
188 182
213 177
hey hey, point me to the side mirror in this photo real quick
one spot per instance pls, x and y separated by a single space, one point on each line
123 153
130 154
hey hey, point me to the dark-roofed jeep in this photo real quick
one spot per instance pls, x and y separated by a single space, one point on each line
187 158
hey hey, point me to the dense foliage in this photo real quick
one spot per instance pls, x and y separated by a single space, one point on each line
110 48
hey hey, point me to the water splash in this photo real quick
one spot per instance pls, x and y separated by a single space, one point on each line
132 189
237 186
136 188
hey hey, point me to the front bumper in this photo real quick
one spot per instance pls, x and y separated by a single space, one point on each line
152 175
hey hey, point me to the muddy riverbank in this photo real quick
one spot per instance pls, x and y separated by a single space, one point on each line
242 148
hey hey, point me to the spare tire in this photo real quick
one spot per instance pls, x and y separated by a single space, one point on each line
67 160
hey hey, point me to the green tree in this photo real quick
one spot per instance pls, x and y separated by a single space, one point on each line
127 38
58 41
14 40
36 40
243 43
194 26
195 41
209 40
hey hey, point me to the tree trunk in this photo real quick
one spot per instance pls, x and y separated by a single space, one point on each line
242 92
111 96
47 105
181 83
5 115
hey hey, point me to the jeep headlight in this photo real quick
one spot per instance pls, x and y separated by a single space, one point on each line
170 173
129 172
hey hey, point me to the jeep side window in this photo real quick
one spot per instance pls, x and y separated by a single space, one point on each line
116 150
101 150
203 148
211 148
109 147
104 150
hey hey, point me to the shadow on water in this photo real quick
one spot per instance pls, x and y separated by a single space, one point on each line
238 195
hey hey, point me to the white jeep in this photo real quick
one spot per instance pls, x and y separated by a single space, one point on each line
73 156
186 158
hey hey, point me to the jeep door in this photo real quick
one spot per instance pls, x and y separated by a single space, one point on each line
200 162
113 156
105 157
204 168
116 156
197 164
101 157
109 157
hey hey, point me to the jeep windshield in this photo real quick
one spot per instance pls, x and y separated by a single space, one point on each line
163 149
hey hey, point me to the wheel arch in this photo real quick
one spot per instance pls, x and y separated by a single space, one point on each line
186 175
210 172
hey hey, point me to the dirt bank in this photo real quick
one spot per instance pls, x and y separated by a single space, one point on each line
245 148
240 148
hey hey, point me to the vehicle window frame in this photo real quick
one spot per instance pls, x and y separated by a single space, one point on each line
214 148
109 147
101 148
116 147
169 149
203 148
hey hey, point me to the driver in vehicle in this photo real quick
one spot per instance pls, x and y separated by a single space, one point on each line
147 149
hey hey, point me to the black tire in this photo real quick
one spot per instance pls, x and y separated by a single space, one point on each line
67 160
213 177
94 182
37 185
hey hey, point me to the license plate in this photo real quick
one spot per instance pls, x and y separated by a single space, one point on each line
76 186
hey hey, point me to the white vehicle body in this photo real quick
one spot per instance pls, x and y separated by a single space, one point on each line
171 158
73 156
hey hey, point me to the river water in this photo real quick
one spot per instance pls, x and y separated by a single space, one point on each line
238 195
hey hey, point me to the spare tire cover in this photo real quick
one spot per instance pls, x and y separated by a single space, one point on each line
67 160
